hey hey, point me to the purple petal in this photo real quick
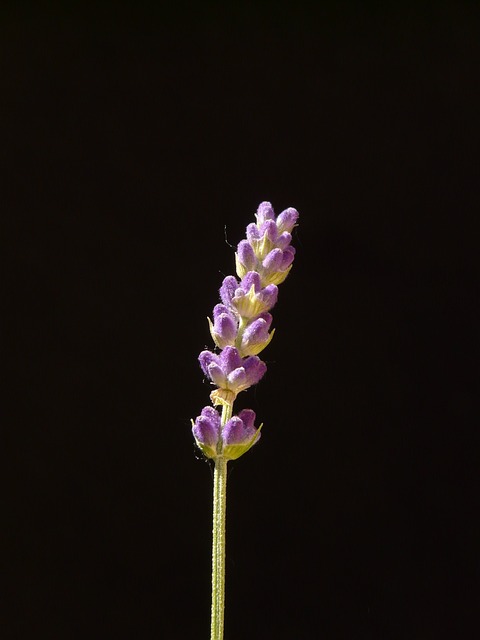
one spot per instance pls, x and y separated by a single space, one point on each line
247 416
240 429
287 258
237 379
225 325
246 255
269 229
203 432
287 219
230 359
216 374
207 427
254 369
227 290
211 414
257 331
267 317
252 277
253 233
218 309
205 359
273 260
264 212
233 432
269 295
256 337
283 240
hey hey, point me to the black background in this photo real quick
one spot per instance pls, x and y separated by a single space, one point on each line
136 140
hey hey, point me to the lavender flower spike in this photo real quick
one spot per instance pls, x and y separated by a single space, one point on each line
241 323
241 329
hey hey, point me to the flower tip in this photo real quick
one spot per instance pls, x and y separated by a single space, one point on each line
287 220
264 212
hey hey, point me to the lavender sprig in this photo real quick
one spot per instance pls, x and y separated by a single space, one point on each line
241 329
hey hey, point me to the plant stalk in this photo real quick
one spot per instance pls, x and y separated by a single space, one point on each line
218 543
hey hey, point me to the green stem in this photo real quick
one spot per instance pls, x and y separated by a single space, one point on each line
218 545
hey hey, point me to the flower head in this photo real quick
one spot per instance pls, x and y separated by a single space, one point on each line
241 329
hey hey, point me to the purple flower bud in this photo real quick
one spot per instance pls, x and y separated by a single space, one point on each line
240 429
237 380
246 255
273 260
269 231
206 358
220 312
264 212
256 337
268 297
227 290
253 233
287 219
217 375
254 369
239 434
206 431
276 266
283 240
248 418
224 326
230 359
234 431
251 279
288 256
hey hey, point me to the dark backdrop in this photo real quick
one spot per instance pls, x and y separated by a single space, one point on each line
136 145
